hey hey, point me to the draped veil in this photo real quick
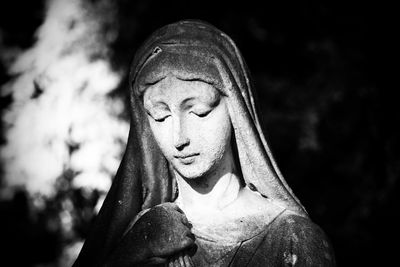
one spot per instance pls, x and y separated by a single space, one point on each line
143 179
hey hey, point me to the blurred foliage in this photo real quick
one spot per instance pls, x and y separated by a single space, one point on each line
47 230
328 113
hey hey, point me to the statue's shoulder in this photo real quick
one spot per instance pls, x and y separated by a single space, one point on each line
297 239
288 240
289 222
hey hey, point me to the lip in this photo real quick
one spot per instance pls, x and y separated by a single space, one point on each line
186 158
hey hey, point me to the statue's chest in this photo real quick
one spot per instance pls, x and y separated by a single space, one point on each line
217 244
211 253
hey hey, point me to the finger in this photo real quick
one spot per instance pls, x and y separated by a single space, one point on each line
171 263
188 260
181 260
185 220
176 262
186 242
170 205
190 235
185 261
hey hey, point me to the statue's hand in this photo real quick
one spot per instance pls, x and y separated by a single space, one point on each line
166 230
158 234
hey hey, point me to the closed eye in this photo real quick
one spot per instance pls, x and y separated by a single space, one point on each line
158 117
161 119
201 114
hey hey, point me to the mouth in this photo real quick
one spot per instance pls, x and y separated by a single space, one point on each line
187 158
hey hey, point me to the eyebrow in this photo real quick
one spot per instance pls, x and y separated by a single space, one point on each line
204 79
197 79
141 88
157 80
158 104
186 100
212 101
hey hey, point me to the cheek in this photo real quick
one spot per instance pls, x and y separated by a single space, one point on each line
214 135
161 134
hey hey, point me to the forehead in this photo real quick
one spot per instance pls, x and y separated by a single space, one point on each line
183 62
172 89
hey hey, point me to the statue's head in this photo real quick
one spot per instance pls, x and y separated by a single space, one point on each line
190 123
183 95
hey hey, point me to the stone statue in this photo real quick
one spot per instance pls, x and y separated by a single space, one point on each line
198 185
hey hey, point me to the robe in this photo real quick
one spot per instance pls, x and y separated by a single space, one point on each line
269 235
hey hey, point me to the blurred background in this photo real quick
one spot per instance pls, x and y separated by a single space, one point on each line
320 71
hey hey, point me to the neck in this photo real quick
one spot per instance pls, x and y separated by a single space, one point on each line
211 192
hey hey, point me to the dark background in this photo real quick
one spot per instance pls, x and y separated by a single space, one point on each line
320 70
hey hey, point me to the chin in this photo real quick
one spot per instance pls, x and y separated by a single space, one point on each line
194 171
191 172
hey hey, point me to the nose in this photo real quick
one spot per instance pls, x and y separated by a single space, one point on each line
181 140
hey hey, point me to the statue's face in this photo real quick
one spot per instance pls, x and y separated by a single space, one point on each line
191 124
